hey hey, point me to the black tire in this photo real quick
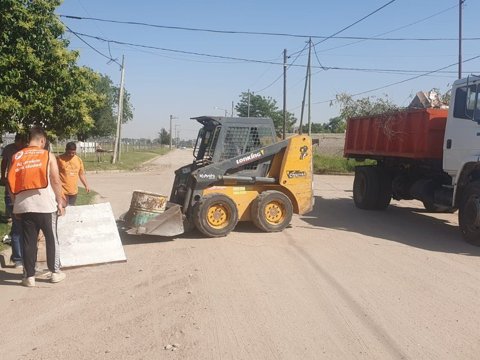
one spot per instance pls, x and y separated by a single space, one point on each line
372 188
469 214
215 215
272 211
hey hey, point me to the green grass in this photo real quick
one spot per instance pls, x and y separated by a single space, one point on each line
128 160
329 164
84 198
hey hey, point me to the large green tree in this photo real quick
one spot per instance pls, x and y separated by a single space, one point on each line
40 82
261 106
104 114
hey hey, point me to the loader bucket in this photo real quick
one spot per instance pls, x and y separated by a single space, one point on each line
168 223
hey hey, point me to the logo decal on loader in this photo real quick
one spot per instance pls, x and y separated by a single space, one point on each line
250 157
207 176
303 152
293 174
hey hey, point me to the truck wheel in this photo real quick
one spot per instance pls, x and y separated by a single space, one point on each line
469 214
215 215
272 211
372 189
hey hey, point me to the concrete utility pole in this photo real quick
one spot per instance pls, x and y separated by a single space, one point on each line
300 130
177 135
460 3
248 106
309 69
232 108
171 133
284 93
116 150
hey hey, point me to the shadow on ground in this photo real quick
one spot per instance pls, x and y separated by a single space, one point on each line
409 226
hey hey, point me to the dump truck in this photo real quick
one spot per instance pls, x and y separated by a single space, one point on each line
431 155
240 172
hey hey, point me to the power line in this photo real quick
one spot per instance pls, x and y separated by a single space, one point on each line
401 81
80 35
374 38
281 75
92 47
358 21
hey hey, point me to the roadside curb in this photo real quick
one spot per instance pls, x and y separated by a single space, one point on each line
122 171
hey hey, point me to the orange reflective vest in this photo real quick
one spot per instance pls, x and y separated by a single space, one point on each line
28 170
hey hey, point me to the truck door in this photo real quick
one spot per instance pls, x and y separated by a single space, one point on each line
462 133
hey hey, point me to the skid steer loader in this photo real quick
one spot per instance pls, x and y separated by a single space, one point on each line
240 172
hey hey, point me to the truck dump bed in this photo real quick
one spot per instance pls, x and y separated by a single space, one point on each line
414 134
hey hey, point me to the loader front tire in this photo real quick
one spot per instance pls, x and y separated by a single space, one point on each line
272 211
215 215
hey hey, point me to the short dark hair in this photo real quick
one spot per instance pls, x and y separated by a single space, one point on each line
19 137
36 133
71 146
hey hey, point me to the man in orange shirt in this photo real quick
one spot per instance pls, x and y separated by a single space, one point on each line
70 167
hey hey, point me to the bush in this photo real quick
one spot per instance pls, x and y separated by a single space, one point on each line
329 164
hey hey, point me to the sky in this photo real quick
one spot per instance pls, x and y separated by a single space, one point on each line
163 83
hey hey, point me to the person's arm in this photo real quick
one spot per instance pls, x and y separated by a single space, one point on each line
83 178
56 184
3 178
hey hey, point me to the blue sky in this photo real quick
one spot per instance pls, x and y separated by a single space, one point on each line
162 83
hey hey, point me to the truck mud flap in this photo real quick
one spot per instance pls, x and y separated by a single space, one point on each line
168 223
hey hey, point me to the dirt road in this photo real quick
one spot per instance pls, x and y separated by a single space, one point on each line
339 284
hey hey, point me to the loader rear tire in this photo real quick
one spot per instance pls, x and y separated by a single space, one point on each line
272 211
215 215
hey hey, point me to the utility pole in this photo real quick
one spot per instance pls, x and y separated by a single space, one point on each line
171 133
248 106
232 108
309 93
116 150
300 131
284 93
177 133
460 3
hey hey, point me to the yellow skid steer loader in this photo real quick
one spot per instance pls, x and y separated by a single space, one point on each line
240 172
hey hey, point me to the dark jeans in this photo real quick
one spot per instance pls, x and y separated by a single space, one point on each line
16 232
32 223
71 199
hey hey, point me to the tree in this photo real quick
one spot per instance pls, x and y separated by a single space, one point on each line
261 106
164 137
334 125
104 115
40 83
367 106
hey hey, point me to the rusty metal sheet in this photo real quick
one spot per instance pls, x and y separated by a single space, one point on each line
88 234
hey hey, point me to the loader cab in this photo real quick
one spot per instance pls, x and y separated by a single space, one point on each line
223 138
462 133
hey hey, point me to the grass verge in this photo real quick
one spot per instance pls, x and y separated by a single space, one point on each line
128 160
328 164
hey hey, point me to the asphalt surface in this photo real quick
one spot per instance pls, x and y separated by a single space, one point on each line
340 283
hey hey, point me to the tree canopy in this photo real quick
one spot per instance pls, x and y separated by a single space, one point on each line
261 106
41 83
